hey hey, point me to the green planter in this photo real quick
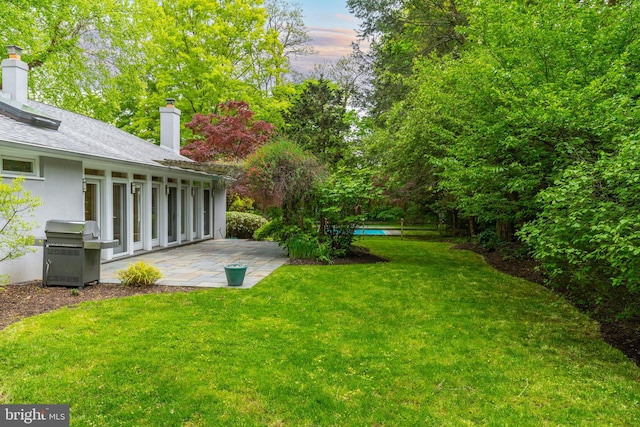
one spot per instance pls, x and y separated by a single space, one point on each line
235 274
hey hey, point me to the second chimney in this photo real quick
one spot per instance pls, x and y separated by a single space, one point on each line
14 75
170 126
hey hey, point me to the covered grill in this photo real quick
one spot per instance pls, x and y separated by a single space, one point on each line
71 255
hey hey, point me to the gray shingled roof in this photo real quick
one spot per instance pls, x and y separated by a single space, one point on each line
86 136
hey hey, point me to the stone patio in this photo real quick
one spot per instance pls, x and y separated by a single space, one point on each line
202 264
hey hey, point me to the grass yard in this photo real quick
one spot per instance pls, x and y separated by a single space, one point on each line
433 337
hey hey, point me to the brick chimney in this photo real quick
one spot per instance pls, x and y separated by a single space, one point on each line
14 75
170 126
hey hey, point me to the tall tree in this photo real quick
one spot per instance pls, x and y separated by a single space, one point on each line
287 20
74 48
317 121
400 31
117 60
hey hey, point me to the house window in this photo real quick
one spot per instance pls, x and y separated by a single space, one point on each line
94 172
19 166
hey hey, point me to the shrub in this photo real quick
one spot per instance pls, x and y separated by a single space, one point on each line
243 224
303 246
139 274
241 204
16 208
489 240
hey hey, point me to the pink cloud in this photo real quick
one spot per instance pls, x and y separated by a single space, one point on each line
331 44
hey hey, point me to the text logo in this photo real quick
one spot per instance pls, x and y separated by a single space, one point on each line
34 415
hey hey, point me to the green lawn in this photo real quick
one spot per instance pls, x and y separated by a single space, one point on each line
433 337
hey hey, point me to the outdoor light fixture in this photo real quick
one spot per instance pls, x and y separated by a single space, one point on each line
167 190
170 102
14 51
84 185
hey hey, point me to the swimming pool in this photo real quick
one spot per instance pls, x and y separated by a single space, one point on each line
369 232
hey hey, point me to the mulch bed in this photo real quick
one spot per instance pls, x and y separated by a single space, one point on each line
28 299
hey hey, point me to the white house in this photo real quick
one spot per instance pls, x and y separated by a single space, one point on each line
144 195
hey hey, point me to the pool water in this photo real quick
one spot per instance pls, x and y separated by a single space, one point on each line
369 232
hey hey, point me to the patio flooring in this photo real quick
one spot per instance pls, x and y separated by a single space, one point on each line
202 264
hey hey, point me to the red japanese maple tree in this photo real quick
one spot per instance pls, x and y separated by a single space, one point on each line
232 134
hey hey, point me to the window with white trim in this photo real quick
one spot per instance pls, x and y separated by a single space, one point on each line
18 166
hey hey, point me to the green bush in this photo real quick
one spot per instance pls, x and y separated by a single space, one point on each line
241 204
243 224
139 274
489 240
266 231
587 236
303 246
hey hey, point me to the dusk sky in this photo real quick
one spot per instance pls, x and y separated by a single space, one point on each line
332 29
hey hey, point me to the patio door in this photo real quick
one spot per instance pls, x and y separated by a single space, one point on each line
183 213
92 201
137 216
155 238
172 214
206 200
120 217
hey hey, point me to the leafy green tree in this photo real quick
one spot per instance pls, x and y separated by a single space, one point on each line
400 31
344 201
76 50
16 206
118 60
203 53
542 86
317 120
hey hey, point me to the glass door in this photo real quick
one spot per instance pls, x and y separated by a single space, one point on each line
137 216
92 202
206 200
120 217
183 213
155 190
172 214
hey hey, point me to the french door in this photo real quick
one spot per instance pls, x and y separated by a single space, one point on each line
120 217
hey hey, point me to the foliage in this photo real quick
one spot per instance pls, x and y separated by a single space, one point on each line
16 206
72 47
384 213
243 224
489 240
139 274
241 204
287 20
230 135
343 203
282 174
118 60
432 337
317 121
400 32
305 246
588 234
